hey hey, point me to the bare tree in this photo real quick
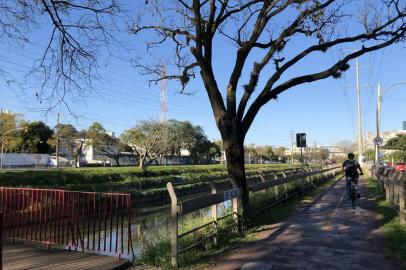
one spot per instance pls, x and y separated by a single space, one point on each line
271 38
70 139
78 31
105 143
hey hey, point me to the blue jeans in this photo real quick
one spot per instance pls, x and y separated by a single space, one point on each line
348 185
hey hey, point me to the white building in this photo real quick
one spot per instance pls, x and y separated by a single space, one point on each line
385 135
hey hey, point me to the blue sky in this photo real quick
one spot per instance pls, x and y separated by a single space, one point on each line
325 110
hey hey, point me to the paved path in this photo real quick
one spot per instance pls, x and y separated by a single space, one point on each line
28 257
326 234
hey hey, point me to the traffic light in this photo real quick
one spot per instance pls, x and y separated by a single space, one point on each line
301 139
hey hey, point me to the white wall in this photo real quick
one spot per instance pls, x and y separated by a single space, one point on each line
21 159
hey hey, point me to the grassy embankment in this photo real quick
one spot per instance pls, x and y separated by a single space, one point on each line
121 179
394 232
158 253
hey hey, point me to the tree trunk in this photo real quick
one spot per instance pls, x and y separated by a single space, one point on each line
142 165
117 161
75 161
234 148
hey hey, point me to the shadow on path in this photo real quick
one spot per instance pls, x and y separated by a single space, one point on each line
325 234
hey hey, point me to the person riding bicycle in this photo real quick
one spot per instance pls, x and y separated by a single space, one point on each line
351 168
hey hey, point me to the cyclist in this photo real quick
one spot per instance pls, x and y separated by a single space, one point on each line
351 168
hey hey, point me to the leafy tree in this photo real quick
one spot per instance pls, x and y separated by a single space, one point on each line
396 156
12 139
251 151
35 138
215 150
190 137
369 154
71 139
265 152
397 143
280 152
149 140
105 143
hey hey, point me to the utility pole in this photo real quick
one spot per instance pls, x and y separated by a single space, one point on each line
360 154
378 122
378 114
57 141
291 147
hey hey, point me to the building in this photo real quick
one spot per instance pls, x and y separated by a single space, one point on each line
385 135
335 151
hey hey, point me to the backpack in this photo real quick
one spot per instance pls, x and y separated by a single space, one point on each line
351 168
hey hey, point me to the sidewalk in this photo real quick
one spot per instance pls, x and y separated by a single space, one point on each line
327 234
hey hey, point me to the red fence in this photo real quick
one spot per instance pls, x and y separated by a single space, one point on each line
85 221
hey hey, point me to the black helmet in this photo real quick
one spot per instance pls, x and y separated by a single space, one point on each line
351 156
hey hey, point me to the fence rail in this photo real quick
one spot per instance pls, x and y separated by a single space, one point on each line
260 182
84 221
392 183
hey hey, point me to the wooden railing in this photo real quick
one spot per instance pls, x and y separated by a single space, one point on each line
261 182
392 183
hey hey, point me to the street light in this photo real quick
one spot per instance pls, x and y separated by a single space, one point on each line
378 114
2 143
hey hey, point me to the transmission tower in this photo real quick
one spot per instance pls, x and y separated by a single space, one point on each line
163 113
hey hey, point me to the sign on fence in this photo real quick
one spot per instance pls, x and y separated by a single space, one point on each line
231 194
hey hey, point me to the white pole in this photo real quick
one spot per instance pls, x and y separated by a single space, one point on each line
2 152
291 147
378 122
57 142
359 114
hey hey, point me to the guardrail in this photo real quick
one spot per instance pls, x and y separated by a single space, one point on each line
392 183
85 221
261 182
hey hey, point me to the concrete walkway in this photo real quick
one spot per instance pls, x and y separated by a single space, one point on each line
327 234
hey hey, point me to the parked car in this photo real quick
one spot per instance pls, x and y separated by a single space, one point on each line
400 166
384 164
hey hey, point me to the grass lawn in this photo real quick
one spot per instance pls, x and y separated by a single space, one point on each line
120 179
394 232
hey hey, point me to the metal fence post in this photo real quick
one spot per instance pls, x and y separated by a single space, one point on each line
275 177
302 181
173 224
401 192
387 185
286 187
263 180
214 213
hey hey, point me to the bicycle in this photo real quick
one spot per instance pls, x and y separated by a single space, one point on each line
353 190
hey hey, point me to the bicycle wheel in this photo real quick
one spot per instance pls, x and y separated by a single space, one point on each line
353 195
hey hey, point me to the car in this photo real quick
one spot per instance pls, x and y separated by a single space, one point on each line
400 166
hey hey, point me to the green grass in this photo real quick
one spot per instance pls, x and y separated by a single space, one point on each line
394 232
157 253
121 179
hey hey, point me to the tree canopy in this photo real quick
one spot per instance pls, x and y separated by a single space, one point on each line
398 144
71 139
105 143
35 138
